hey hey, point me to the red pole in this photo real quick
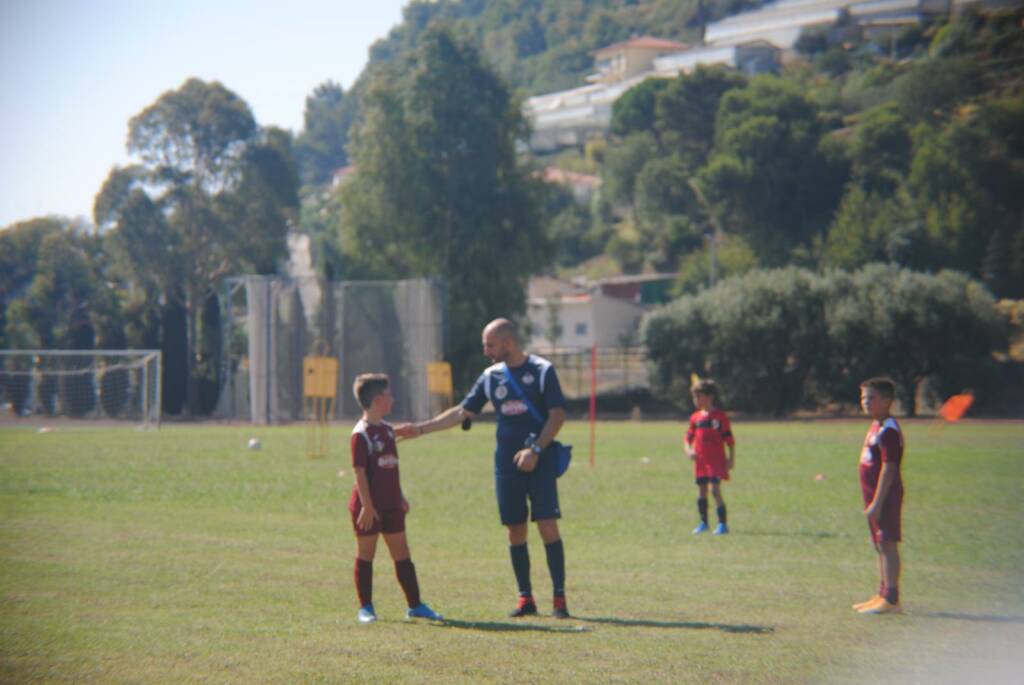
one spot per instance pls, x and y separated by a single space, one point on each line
593 399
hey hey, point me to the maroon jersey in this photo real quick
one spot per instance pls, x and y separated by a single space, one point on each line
373 448
883 445
709 432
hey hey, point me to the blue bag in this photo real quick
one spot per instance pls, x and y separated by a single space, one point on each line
563 453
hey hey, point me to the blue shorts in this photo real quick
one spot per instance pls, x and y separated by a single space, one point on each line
540 487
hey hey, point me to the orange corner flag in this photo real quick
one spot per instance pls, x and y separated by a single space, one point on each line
955 407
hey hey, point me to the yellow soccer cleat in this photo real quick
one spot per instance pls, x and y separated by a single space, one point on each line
862 605
882 607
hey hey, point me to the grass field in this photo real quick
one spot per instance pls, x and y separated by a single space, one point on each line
180 556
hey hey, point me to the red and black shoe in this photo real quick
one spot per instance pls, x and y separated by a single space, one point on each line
561 609
524 607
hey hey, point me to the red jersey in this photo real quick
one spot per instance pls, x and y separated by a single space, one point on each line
373 448
709 432
883 445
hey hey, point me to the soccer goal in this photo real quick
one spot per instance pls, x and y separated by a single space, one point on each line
121 385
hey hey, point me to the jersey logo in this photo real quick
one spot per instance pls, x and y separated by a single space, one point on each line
716 424
501 392
387 461
527 378
513 408
378 445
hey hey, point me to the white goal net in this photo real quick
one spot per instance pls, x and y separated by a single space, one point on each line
122 385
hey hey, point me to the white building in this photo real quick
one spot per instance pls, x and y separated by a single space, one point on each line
754 57
567 315
571 117
781 23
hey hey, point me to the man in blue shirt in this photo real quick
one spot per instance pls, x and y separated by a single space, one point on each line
525 466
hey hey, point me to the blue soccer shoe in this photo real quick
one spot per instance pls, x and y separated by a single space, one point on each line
423 611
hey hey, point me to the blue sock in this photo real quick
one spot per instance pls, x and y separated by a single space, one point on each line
556 565
521 566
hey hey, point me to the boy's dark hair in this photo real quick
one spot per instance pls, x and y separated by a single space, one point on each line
368 386
883 385
706 386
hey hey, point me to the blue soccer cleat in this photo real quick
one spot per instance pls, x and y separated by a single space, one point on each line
423 611
367 614
721 529
702 528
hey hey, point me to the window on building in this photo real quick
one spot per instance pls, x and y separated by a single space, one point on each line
581 329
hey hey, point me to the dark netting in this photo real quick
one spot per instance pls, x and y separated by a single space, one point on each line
272 323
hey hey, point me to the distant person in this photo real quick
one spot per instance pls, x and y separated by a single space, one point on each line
708 436
525 463
881 484
377 505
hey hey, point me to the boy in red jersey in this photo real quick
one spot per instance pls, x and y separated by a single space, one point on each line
882 487
377 504
709 432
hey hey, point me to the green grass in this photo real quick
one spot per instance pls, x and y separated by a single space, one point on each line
180 556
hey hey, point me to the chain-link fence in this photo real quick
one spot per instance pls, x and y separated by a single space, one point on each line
619 369
272 323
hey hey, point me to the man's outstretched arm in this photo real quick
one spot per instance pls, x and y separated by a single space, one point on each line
446 419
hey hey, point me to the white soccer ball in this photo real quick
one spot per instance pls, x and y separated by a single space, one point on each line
254 443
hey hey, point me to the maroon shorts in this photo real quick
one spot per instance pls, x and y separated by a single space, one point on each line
388 521
888 528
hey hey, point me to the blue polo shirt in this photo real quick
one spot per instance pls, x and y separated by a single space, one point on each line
536 378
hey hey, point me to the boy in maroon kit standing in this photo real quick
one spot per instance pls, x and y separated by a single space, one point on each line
706 439
881 484
377 505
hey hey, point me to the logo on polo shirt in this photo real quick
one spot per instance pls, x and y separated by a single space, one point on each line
501 392
528 378
513 408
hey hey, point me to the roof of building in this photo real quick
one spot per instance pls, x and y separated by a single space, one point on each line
642 42
553 174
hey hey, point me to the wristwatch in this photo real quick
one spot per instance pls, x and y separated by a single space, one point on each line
537 449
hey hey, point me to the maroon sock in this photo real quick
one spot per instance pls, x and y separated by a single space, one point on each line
406 572
892 595
364 581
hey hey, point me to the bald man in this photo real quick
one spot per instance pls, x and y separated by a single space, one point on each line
525 469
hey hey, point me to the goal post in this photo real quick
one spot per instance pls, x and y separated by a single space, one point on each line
116 385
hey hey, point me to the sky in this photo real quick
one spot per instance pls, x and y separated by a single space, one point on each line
73 72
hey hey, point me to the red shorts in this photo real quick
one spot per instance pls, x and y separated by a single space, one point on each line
710 468
889 527
388 521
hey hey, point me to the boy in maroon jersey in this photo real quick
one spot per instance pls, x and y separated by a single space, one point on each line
706 438
882 487
377 504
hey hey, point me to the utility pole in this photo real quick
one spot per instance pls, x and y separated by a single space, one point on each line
717 230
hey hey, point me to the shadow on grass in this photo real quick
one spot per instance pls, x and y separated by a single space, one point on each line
691 625
981 618
499 626
816 534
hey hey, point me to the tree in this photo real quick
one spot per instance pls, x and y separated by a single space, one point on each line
910 326
633 111
19 252
770 169
760 334
439 190
686 110
880 151
211 194
321 147
870 227
784 338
